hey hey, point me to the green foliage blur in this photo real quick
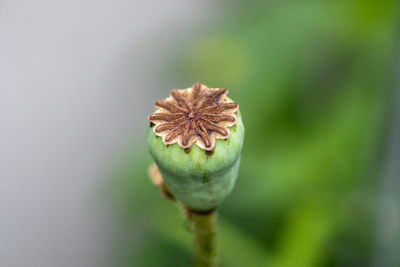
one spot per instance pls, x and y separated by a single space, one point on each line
314 81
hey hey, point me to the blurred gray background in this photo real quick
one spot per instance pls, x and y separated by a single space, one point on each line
76 78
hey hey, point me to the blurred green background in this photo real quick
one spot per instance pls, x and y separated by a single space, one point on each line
315 81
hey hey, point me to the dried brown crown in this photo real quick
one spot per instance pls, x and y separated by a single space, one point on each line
196 114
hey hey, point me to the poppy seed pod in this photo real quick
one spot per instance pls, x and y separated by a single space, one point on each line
195 138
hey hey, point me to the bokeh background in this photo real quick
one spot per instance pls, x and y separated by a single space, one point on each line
319 90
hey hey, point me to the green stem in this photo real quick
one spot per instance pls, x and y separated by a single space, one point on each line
205 238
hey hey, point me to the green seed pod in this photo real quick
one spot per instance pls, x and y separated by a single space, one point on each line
195 138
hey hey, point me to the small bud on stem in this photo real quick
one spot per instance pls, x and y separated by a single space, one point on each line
195 138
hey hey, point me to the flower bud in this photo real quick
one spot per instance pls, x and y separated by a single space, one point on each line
195 138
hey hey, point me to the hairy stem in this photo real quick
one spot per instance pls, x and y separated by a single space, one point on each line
204 227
